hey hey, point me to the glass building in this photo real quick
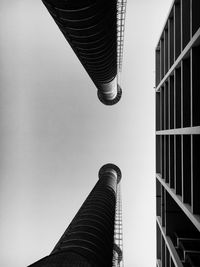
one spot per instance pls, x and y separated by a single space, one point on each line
178 137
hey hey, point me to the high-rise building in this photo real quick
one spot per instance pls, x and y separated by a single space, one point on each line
95 31
178 137
94 237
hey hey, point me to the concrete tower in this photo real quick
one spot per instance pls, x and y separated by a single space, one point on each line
94 237
94 29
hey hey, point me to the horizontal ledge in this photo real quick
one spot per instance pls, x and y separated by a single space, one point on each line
104 64
87 18
70 10
87 28
75 9
96 34
98 53
97 49
186 130
194 41
195 219
102 40
169 244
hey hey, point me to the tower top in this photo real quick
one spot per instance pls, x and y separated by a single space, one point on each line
110 167
103 97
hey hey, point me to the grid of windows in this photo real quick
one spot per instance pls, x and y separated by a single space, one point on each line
178 137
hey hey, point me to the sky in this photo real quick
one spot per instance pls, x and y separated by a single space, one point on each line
55 134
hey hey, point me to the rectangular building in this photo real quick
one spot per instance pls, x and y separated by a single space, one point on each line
178 137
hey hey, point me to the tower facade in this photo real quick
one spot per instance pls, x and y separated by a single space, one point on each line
178 137
95 31
94 237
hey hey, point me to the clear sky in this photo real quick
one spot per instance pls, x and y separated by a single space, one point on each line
55 134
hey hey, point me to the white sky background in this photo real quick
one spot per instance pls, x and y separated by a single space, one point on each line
55 134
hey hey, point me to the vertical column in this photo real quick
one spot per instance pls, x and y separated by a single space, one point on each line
171 181
178 97
195 85
158 65
162 58
171 40
166 54
177 29
195 16
186 169
186 92
172 111
195 174
185 22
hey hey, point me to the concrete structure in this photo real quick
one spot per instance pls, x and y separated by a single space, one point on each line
95 31
178 137
94 237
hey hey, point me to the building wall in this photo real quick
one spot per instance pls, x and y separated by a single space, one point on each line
178 136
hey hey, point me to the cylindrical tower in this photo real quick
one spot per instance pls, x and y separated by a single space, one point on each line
90 239
91 27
